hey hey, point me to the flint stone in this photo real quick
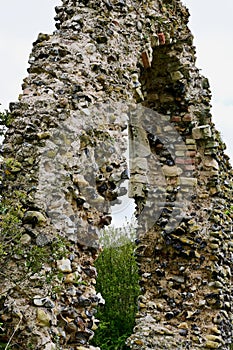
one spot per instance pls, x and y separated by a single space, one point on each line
38 300
178 279
188 181
214 338
43 135
43 318
34 217
138 178
42 240
211 345
25 239
50 346
211 163
176 75
79 180
201 132
64 265
90 48
171 171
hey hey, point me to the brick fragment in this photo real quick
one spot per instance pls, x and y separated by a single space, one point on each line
146 60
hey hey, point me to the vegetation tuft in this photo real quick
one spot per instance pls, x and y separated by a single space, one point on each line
118 284
5 121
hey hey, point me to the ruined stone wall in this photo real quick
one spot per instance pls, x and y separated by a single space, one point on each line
115 71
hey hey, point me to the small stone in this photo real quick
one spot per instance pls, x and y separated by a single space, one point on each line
90 48
188 181
43 135
183 332
25 239
72 277
43 318
48 303
139 26
64 265
82 301
176 75
189 313
50 346
190 142
212 144
214 338
38 300
201 132
94 327
80 200
34 217
139 179
146 275
125 174
171 171
42 240
213 246
169 315
115 177
138 342
183 325
202 302
211 163
215 330
63 102
163 330
178 279
79 180
211 345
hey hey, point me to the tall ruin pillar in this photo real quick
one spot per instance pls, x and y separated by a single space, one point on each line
115 70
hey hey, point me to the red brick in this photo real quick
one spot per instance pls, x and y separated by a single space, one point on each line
145 60
176 119
187 118
162 39
189 167
191 153
184 160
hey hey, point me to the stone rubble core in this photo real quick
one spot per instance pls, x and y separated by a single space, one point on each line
112 70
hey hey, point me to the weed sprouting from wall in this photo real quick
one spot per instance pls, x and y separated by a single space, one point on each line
118 284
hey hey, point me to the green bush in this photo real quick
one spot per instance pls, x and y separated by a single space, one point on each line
118 284
5 121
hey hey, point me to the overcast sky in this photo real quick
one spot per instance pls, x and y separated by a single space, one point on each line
20 23
211 24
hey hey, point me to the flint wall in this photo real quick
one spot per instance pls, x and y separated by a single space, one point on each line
112 74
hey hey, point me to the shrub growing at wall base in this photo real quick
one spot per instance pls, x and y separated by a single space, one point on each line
118 284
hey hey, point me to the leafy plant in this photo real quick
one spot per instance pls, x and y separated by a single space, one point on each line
118 284
10 225
5 121
229 211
